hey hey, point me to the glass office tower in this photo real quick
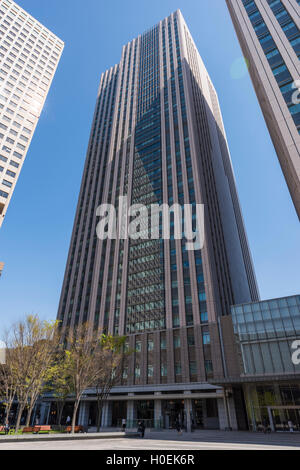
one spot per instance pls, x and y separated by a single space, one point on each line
158 137
29 56
268 335
269 34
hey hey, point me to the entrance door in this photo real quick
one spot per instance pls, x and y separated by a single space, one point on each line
198 414
173 411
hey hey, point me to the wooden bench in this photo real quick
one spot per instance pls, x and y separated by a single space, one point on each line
29 429
43 429
77 430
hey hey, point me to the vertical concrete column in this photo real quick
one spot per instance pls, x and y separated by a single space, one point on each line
106 415
271 419
234 424
131 411
188 412
158 418
223 415
84 412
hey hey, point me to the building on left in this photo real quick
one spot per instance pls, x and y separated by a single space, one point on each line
1 268
29 56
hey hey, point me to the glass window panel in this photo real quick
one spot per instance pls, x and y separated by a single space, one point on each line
258 364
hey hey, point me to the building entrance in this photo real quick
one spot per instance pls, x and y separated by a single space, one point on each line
282 417
173 411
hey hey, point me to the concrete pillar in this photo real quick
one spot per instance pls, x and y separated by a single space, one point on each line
131 412
223 416
158 418
106 421
226 411
271 420
232 413
84 412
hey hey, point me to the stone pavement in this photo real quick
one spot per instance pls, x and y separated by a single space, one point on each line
169 440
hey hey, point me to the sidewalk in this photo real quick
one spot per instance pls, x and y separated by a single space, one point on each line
233 437
61 437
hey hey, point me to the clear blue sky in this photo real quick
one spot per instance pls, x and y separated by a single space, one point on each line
34 239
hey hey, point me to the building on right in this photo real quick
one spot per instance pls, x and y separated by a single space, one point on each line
269 35
268 338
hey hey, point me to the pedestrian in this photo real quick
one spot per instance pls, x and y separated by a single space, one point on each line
6 428
141 429
178 427
68 420
291 426
265 425
123 425
193 427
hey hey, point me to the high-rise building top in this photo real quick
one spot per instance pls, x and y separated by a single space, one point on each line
269 34
29 55
158 137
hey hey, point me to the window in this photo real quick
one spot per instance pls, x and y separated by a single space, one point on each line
206 338
176 342
3 194
150 371
208 367
7 183
193 368
18 155
204 317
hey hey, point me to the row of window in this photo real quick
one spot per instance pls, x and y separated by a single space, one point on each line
279 68
14 13
164 370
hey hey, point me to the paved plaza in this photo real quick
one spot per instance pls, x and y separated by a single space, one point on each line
170 440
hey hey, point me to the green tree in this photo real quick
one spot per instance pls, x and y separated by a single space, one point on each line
111 355
34 343
60 383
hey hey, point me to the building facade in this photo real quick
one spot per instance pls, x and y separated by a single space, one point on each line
158 138
268 335
269 35
29 56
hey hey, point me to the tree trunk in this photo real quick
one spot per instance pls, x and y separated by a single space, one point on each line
76 405
29 414
99 416
20 412
60 408
7 412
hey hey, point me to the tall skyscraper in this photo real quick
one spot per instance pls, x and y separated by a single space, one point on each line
158 137
269 34
29 55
